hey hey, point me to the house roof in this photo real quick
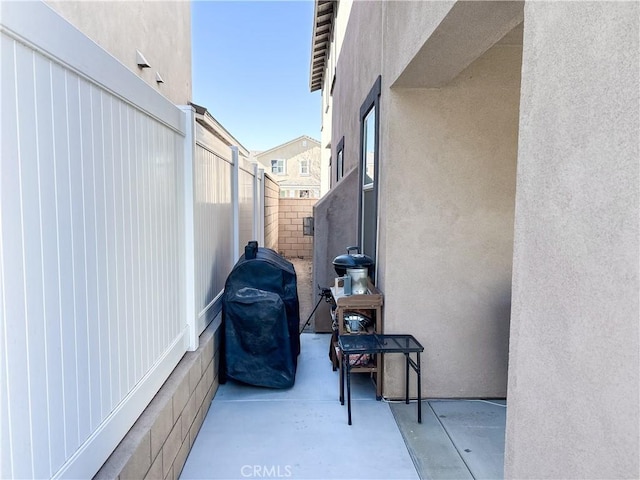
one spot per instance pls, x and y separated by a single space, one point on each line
301 137
320 41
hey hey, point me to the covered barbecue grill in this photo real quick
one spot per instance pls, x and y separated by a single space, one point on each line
260 321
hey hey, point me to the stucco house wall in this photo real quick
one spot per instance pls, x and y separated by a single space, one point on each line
573 409
342 13
447 189
161 31
524 152
357 69
447 227
335 230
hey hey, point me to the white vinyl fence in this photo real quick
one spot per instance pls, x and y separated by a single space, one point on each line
224 209
110 264
246 198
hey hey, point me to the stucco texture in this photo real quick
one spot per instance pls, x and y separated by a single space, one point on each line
334 231
160 30
358 68
447 190
447 218
574 409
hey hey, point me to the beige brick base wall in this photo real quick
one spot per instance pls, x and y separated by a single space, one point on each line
291 241
157 445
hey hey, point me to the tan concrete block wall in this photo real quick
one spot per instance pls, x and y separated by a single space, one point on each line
157 445
271 208
292 243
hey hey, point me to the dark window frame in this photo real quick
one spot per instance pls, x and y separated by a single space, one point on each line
372 102
340 160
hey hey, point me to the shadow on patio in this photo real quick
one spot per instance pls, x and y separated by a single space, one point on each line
302 432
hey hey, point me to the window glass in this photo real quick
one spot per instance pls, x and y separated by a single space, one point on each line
340 160
369 171
369 148
278 167
304 167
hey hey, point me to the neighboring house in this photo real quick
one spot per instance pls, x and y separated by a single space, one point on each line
295 165
486 155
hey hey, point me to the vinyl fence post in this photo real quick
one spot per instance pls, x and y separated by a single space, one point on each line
188 238
256 205
261 210
235 201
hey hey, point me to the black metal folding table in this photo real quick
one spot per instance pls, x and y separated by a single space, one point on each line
358 345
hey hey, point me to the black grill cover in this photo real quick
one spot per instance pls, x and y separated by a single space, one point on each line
261 318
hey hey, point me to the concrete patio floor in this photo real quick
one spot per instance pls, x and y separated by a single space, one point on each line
302 432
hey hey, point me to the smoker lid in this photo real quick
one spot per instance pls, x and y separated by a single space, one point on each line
350 260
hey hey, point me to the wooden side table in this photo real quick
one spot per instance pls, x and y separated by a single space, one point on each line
371 301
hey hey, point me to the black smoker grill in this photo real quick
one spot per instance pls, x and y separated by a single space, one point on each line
260 319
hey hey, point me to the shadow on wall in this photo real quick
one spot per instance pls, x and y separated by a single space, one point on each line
335 217
502 325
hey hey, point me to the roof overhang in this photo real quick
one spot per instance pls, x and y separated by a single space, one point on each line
320 41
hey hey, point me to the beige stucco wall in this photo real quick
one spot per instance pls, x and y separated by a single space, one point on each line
447 224
359 65
573 404
161 30
335 216
447 189
335 230
342 12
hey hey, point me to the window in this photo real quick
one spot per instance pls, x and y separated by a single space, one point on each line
304 167
304 193
369 127
340 161
369 149
278 167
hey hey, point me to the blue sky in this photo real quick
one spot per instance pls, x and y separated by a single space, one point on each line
251 69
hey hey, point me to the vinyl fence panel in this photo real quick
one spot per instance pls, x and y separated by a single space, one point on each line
213 233
90 246
246 208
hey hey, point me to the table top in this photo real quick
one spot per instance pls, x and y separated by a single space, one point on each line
373 298
379 343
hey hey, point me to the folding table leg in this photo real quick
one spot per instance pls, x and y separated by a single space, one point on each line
406 378
418 371
348 388
341 362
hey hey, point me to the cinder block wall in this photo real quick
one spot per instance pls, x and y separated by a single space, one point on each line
291 241
159 442
271 202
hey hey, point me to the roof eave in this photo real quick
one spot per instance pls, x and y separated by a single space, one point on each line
320 41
